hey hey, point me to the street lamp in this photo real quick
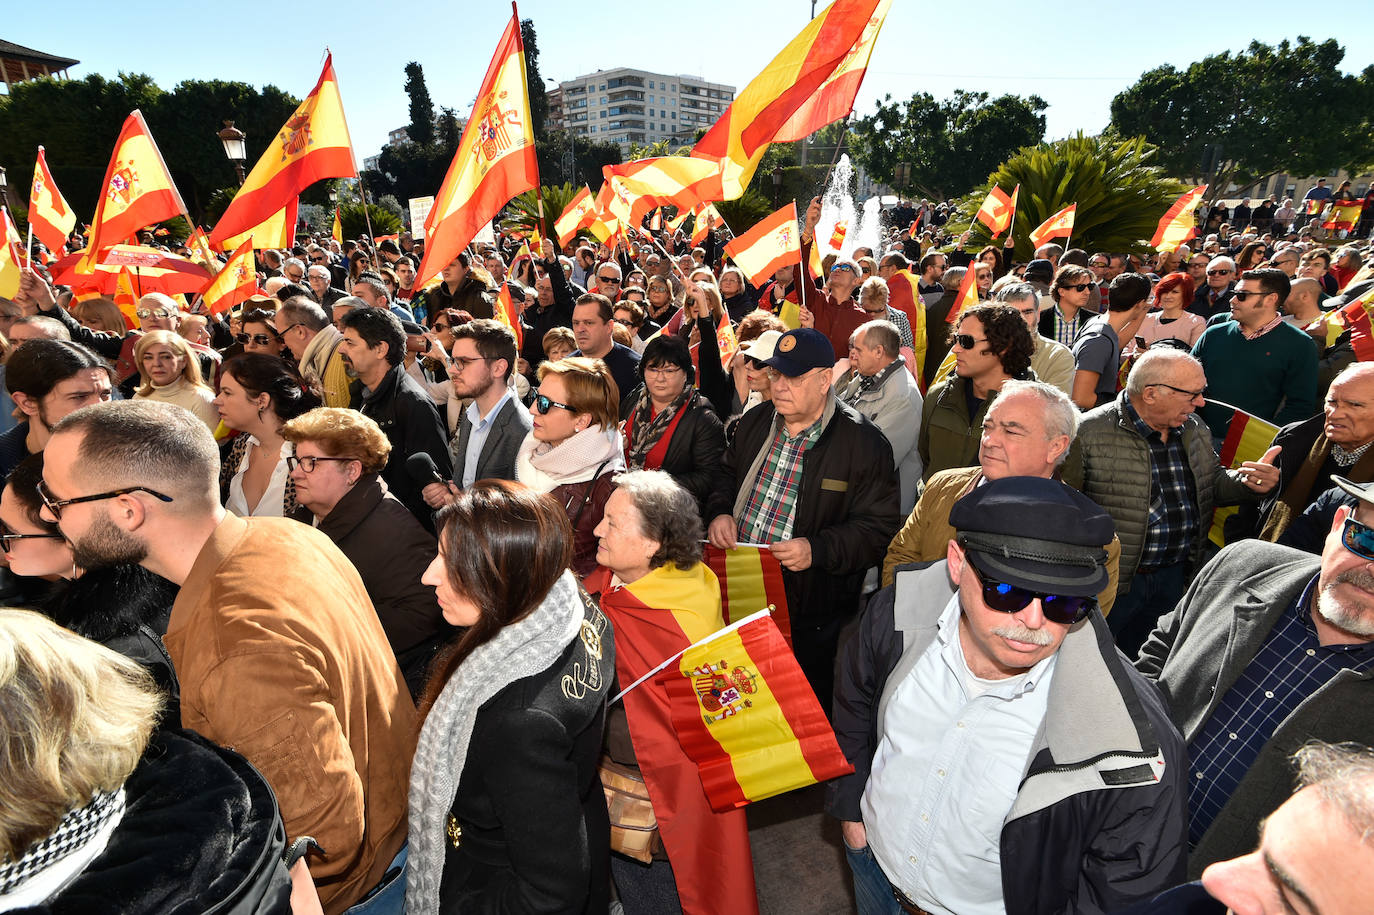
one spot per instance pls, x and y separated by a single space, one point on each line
234 147
4 188
777 184
333 194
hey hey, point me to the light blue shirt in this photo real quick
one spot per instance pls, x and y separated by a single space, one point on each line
952 749
477 438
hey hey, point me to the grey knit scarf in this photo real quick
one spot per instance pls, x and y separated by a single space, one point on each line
520 650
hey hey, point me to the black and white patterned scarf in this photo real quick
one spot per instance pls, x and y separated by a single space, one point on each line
74 833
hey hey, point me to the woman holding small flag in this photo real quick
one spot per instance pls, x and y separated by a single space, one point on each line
660 599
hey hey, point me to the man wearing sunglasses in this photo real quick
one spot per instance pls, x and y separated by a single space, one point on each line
1005 755
1214 296
1073 288
1270 648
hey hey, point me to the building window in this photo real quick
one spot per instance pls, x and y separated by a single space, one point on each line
674 89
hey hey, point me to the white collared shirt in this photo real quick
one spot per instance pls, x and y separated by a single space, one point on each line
477 438
271 503
952 749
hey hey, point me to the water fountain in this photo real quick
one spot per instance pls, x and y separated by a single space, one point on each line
837 205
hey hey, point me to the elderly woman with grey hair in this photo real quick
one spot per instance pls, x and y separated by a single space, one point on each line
661 598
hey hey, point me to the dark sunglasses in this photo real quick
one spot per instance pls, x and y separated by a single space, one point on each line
608 279
1220 272
1057 608
6 539
543 404
1077 287
967 341
1242 296
1358 538
259 339
318 260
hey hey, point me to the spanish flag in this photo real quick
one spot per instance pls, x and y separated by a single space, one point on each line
1355 317
126 297
505 313
11 257
967 297
750 578
643 184
1060 225
904 294
571 219
764 109
699 228
837 235
337 233
235 283
1247 439
772 243
1313 207
201 252
494 162
276 231
997 211
1177 225
1343 215
138 190
50 216
676 222
745 714
312 145
656 618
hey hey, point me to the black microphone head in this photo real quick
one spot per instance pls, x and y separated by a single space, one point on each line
422 469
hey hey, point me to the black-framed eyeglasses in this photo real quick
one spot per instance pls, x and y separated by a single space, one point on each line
968 341
1058 608
259 339
1356 537
1191 395
543 404
307 464
280 333
466 361
55 505
6 538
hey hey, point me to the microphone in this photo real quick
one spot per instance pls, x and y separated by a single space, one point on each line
423 470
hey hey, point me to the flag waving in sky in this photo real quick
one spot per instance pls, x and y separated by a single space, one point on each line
312 145
571 219
1060 225
494 162
773 242
138 190
1177 225
997 211
50 215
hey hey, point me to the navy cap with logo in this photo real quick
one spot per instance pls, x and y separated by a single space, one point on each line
799 351
1036 534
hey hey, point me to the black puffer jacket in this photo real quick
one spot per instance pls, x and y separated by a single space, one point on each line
201 833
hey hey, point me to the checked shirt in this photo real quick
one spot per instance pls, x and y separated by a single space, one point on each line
772 506
1173 522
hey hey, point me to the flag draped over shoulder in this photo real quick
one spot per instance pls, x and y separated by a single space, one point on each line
750 579
773 242
235 283
744 712
655 618
495 159
997 209
1060 225
1247 438
1177 225
312 145
276 231
765 108
570 220
50 215
138 190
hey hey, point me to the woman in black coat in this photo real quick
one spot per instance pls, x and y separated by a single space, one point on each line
667 424
507 811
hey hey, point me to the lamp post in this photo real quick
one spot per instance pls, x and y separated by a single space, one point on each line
777 184
4 189
234 147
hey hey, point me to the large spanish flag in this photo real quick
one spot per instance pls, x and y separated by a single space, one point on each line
312 145
835 98
644 184
1343 215
655 619
765 108
1247 438
50 216
1177 224
138 190
1060 225
773 243
746 716
11 256
570 220
997 211
494 162
235 283
750 580
276 231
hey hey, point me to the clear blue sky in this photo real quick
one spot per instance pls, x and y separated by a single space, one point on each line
1076 54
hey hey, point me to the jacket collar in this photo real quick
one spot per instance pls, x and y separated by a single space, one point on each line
354 507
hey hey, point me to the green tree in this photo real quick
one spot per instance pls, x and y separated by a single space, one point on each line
1120 190
523 211
353 223
534 82
421 127
1282 108
949 146
554 149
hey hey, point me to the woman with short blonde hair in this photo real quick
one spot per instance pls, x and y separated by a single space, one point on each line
170 372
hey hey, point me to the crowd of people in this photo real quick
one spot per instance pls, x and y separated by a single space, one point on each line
327 596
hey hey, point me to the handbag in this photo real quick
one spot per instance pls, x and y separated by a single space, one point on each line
634 828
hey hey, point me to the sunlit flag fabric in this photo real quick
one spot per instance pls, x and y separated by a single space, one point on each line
655 618
750 579
235 283
700 227
201 252
11 254
967 297
1356 317
746 715
276 231
50 216
505 313
337 233
765 108
772 243
904 294
311 146
138 190
153 269
570 220
643 184
1247 438
998 209
837 235
1060 225
676 222
1177 225
1343 215
495 159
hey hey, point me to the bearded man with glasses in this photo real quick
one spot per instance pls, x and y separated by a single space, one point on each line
1270 649
1006 758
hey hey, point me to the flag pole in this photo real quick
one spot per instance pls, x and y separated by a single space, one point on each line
28 251
362 194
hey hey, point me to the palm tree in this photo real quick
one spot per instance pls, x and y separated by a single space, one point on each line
523 211
1120 192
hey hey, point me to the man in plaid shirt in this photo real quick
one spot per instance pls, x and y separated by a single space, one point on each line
812 480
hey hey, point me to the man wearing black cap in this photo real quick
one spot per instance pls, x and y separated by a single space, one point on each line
1006 757
814 480
1269 649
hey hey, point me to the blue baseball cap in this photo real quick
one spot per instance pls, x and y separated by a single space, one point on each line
801 350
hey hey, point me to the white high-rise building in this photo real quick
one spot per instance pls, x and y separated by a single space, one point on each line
625 106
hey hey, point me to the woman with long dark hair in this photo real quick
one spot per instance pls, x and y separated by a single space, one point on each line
506 808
